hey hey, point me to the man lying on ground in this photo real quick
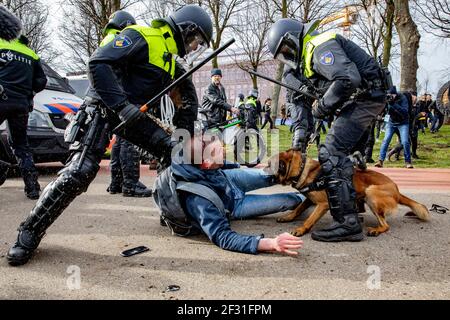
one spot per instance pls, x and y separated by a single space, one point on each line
211 194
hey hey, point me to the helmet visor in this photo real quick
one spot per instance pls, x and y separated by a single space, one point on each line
195 51
288 51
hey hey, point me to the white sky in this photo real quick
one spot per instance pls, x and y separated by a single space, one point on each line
434 54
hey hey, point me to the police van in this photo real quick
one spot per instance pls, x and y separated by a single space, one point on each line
47 122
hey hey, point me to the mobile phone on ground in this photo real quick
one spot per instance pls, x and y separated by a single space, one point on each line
134 251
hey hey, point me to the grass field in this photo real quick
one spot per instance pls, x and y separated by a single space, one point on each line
433 150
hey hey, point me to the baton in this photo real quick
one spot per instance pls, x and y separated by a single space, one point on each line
309 95
145 107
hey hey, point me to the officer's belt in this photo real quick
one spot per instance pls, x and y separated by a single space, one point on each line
372 89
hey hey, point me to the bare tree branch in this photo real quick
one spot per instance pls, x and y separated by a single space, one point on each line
436 16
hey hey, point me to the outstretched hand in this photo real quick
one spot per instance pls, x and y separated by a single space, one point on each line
287 243
284 243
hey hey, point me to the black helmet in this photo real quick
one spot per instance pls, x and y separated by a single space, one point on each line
253 93
119 20
192 26
285 40
10 25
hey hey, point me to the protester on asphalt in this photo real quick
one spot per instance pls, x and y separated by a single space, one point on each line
213 193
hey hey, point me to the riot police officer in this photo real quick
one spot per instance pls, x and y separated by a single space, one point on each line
21 77
125 73
125 157
353 89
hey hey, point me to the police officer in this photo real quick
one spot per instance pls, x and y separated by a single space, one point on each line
353 89
248 111
125 157
21 77
126 73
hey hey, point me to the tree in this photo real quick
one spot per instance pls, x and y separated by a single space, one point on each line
222 13
252 26
436 15
409 42
82 30
371 27
387 37
34 16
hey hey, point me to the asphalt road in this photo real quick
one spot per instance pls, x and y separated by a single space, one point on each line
80 256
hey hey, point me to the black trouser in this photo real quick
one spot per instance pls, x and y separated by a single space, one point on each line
17 137
367 149
268 119
75 178
345 137
125 165
302 126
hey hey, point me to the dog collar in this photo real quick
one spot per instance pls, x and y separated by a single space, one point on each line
296 179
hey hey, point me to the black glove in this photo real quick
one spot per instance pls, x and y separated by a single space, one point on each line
318 110
130 113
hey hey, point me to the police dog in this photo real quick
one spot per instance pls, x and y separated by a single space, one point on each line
375 189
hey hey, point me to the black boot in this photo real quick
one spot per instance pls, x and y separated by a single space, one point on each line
346 225
130 160
139 191
32 188
22 251
4 167
55 198
347 229
116 182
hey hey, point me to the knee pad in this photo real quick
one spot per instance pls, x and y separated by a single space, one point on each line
76 181
327 160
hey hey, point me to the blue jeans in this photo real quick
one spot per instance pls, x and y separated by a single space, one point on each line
250 206
404 138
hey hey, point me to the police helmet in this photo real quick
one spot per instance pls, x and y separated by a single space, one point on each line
241 97
119 20
10 25
253 93
193 29
285 40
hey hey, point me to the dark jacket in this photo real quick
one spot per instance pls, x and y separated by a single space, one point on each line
21 74
214 105
341 67
205 215
398 110
122 74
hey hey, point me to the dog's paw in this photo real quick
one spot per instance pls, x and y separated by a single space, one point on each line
373 232
299 232
286 218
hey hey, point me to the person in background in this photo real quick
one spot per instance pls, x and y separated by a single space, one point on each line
268 114
397 109
283 115
214 108
414 118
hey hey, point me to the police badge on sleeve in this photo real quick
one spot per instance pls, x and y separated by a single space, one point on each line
122 42
327 58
